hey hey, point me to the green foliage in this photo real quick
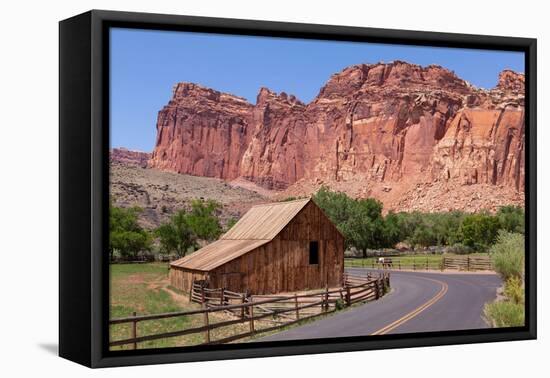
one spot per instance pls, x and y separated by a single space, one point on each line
288 199
392 232
505 314
360 221
479 231
180 233
176 236
362 224
203 220
364 227
126 236
515 290
336 205
339 304
512 219
508 255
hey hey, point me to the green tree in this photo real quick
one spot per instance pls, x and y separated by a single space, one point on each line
203 219
336 205
479 231
126 236
449 226
176 235
424 236
392 231
364 228
512 219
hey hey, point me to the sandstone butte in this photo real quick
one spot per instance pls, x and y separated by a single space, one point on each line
414 137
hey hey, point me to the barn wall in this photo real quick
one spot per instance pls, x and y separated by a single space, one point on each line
283 264
183 279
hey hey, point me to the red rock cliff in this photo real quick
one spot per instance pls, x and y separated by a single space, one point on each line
378 129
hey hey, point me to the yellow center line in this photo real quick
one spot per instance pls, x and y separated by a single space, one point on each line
390 327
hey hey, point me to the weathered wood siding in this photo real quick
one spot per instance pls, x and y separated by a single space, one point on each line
183 279
283 264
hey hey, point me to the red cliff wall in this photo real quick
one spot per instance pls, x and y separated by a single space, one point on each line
372 129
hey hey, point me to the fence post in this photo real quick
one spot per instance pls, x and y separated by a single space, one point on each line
399 261
134 330
427 263
296 306
376 290
222 295
203 299
251 308
468 263
191 291
206 324
348 296
326 298
243 302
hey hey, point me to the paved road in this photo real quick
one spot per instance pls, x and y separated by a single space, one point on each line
419 302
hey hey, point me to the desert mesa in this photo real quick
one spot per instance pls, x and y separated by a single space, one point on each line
416 138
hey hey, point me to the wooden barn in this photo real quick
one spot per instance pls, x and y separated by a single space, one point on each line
276 247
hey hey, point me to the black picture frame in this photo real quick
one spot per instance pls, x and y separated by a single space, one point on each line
84 186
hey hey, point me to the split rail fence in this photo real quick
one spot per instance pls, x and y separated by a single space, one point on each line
256 313
468 263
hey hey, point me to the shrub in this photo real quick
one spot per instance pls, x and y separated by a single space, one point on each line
508 255
505 314
514 290
288 199
339 304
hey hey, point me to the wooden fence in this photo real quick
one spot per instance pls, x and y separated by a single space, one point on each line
261 313
396 264
468 263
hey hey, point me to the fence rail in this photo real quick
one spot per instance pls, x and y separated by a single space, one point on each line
468 263
262 313
396 264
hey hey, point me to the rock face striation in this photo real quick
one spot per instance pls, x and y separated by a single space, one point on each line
382 130
129 157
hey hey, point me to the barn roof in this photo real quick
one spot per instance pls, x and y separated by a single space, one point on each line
257 227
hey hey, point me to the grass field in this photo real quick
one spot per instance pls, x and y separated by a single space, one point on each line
407 261
145 289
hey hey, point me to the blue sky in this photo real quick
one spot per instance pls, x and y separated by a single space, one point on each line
146 64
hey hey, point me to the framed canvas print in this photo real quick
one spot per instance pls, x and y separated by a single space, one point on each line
234 188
